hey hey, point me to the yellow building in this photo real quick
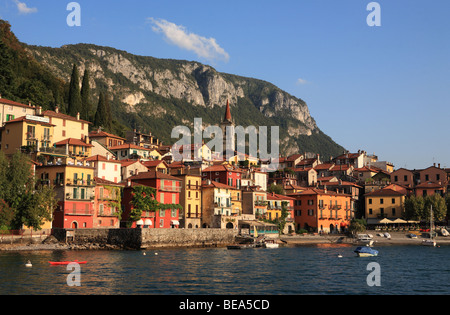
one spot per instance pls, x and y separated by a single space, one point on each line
75 148
66 126
75 191
384 203
222 205
31 133
191 200
10 110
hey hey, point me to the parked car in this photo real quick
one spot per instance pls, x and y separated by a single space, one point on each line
412 235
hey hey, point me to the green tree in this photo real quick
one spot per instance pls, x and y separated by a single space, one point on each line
277 189
7 76
30 206
357 226
284 215
103 115
439 207
85 97
74 105
414 206
144 199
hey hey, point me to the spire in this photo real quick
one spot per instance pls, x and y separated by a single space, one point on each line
228 113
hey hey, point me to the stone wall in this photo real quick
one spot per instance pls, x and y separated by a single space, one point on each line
146 238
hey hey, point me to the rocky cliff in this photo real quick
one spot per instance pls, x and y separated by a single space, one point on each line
157 94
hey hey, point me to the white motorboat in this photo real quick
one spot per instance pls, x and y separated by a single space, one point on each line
271 244
365 239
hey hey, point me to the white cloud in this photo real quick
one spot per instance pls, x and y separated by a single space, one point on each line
23 9
178 35
301 81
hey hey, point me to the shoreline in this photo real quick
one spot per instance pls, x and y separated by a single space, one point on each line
397 238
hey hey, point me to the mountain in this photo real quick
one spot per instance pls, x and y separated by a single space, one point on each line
155 95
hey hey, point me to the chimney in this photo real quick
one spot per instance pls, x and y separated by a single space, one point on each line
38 110
78 116
57 109
439 165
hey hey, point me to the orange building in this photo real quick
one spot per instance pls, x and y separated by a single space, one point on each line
323 211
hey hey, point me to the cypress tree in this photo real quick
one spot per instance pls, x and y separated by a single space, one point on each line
85 95
99 120
75 106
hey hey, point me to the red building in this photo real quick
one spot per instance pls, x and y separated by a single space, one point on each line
106 204
168 190
224 174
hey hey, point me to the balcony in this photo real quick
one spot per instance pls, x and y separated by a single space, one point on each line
335 207
80 182
88 212
170 188
260 203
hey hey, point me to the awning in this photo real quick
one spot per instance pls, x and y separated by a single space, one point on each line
175 222
398 220
385 220
140 222
148 222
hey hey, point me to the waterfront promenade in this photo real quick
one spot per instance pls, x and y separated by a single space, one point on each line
397 238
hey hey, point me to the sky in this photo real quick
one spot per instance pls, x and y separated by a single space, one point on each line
383 88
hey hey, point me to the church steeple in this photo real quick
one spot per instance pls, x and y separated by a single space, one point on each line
227 113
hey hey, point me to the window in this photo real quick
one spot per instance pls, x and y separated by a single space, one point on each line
162 213
393 200
381 201
100 209
405 178
173 213
161 223
395 178
370 211
438 177
427 177
75 193
393 211
381 211
310 212
370 201
310 202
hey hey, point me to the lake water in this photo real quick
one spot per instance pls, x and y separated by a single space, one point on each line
217 271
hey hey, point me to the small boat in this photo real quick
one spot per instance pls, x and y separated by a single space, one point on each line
28 264
271 244
444 232
365 239
429 243
366 251
60 263
241 246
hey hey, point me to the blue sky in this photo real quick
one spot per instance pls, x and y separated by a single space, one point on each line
385 89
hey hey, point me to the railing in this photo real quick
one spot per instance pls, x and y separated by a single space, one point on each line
170 188
79 212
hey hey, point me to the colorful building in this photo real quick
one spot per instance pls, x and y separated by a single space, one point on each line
107 204
322 211
10 110
106 139
168 190
28 133
66 126
387 202
190 200
223 173
75 191
220 205
105 168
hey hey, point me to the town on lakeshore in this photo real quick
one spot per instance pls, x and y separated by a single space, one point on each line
102 181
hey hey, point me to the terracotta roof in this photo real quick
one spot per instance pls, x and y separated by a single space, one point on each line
293 157
342 167
9 102
316 191
216 185
24 119
72 141
154 163
153 175
101 158
429 185
384 192
273 196
129 146
51 113
222 168
324 166
101 134
102 181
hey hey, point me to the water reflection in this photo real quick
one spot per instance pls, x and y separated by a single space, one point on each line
287 270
